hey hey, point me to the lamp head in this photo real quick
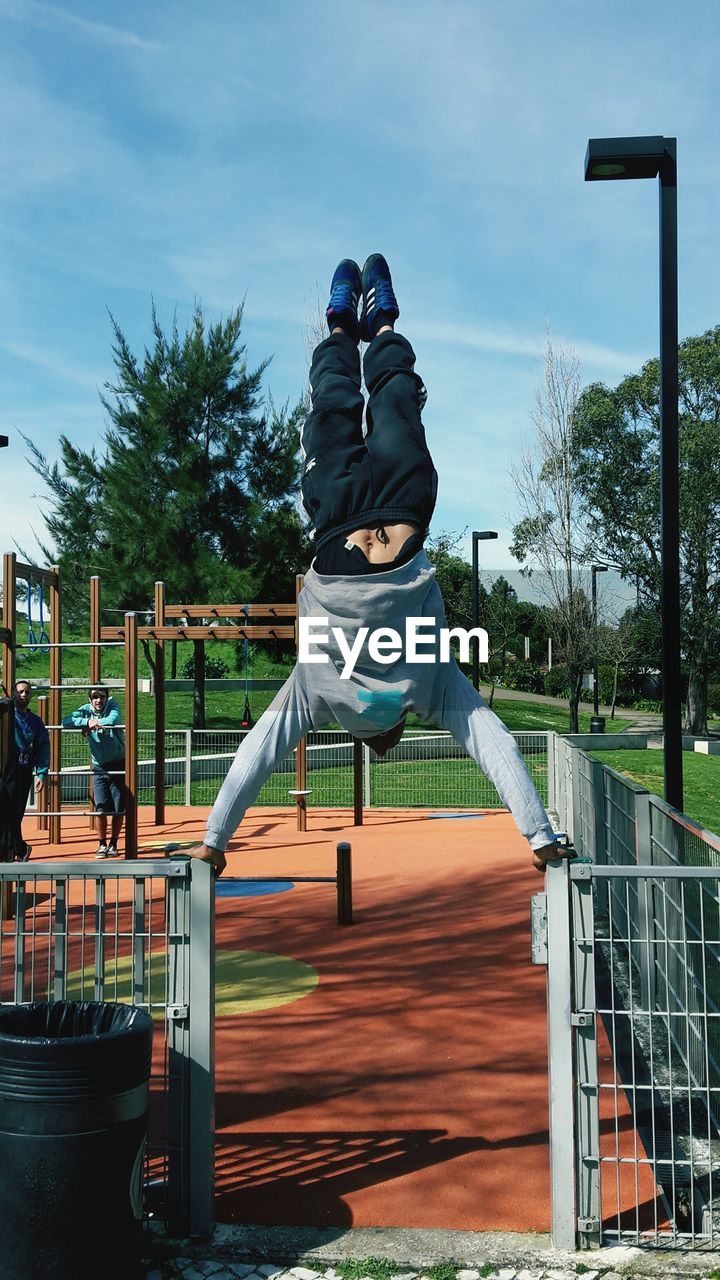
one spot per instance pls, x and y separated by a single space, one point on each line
620 158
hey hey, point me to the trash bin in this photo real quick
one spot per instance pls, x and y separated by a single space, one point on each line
597 724
73 1117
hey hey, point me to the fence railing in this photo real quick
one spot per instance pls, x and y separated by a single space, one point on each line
138 933
633 953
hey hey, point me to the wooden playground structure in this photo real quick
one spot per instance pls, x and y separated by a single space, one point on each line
170 624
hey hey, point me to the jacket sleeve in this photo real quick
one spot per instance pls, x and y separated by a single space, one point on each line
465 713
77 719
276 733
112 714
42 749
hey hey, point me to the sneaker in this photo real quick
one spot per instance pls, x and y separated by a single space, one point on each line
113 851
345 290
379 304
24 857
101 851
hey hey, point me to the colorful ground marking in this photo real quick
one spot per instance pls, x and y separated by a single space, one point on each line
246 982
227 887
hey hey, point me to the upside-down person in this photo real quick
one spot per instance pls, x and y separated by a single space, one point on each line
370 499
29 752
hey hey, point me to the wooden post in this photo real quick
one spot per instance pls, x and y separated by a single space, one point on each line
131 733
357 782
95 667
9 616
6 890
55 706
159 707
43 824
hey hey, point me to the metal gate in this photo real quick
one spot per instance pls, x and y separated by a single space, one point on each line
141 933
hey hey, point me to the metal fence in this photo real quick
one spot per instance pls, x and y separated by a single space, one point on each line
631 936
138 933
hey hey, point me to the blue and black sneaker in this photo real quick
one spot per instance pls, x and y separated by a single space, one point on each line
344 297
379 304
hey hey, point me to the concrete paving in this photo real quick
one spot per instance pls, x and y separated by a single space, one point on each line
278 1253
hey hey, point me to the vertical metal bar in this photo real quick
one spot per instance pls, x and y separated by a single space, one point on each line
139 943
188 766
574 825
669 477
645 901
586 1060
560 1066
202 1048
20 931
357 782
159 691
131 734
60 947
99 965
54 779
344 883
366 764
176 1030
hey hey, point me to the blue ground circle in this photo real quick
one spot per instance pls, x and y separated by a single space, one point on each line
228 887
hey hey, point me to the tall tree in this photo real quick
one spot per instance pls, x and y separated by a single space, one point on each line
194 483
617 457
551 533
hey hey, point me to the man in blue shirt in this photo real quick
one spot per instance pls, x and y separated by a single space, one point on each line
98 720
29 752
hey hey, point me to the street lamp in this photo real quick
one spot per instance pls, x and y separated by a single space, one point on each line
616 159
595 569
477 537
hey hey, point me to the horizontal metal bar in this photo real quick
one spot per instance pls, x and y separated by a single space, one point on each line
74 813
74 644
682 820
122 868
230 611
205 633
584 871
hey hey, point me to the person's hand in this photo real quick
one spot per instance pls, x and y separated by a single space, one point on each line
94 723
39 784
85 731
206 853
548 853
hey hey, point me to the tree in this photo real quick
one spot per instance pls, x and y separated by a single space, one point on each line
194 483
454 578
617 466
551 533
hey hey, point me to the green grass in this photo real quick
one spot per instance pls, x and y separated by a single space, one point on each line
701 780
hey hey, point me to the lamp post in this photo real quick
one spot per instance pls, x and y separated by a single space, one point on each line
595 569
613 159
477 537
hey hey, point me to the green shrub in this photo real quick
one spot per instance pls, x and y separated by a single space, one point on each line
556 683
525 676
215 668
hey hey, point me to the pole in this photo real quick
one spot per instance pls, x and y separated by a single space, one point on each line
95 665
54 784
596 701
669 480
475 639
159 690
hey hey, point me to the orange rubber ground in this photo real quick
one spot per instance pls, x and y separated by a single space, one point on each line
409 1089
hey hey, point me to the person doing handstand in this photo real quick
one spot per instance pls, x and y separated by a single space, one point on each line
370 498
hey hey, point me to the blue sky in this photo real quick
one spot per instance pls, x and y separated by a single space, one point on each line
179 151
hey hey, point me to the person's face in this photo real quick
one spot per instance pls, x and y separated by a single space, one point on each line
23 694
97 701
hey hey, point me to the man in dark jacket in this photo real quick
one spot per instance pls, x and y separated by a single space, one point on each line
28 753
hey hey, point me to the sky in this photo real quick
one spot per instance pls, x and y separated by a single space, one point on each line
236 151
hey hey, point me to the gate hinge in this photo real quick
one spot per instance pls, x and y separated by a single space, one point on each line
538 929
585 1019
178 1012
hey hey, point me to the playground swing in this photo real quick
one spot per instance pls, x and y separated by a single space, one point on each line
40 642
247 719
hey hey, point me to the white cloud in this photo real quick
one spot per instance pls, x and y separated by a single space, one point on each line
51 16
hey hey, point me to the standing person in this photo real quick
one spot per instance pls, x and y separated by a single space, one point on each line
29 752
370 498
98 719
